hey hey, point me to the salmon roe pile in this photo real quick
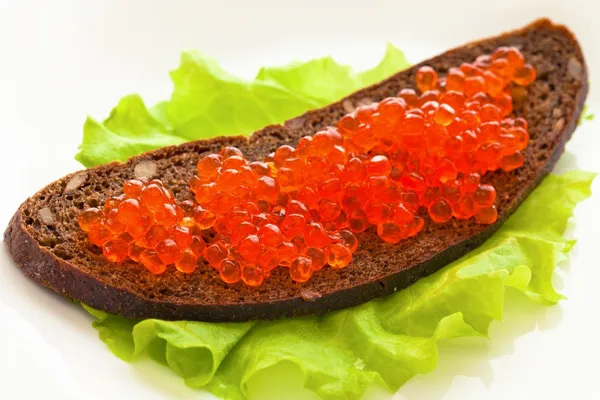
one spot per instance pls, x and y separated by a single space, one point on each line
300 207
262 222
147 225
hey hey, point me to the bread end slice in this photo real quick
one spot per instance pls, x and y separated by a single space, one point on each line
46 243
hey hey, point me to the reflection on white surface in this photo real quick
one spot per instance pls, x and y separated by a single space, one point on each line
64 59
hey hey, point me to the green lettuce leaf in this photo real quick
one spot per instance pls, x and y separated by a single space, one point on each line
386 341
586 114
208 101
323 80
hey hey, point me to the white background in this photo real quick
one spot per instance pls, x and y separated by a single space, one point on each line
61 60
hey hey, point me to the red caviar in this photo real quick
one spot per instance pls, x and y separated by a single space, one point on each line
300 207
158 231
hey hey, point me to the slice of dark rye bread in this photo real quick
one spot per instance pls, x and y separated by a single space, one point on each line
46 242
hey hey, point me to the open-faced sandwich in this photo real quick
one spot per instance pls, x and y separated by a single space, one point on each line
331 209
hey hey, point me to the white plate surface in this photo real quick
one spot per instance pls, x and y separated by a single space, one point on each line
61 60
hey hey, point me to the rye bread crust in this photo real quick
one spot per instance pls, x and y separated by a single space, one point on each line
45 242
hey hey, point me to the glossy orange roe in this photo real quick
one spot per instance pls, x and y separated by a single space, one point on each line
272 218
300 207
147 225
